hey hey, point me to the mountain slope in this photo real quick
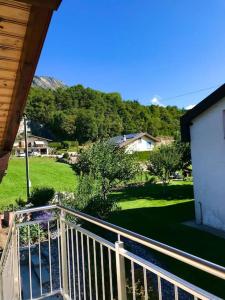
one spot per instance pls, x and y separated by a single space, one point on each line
47 82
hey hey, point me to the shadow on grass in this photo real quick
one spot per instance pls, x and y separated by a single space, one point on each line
151 191
164 224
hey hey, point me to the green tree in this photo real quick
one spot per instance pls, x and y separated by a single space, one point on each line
108 166
164 161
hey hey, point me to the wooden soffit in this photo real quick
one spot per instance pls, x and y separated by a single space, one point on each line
23 28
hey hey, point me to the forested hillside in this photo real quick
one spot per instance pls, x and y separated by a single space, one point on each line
83 114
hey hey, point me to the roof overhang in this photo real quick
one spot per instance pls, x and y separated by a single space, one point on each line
23 28
186 119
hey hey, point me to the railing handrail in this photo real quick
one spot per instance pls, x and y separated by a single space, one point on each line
192 260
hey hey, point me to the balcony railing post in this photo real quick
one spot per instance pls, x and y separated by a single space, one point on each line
64 267
16 274
120 271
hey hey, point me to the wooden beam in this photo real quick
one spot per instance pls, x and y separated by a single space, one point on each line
7 10
36 32
51 4
12 28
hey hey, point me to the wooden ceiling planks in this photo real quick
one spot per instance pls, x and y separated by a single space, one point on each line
23 28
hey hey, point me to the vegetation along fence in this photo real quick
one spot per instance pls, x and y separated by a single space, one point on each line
56 251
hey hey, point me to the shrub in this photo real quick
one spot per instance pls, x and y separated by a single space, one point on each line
41 196
34 234
66 144
55 145
66 155
142 156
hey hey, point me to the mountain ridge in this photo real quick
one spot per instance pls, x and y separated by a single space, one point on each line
47 82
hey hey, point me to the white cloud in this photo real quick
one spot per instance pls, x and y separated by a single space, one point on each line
156 100
190 106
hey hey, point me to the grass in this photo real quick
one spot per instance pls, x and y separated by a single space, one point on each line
159 213
43 172
149 209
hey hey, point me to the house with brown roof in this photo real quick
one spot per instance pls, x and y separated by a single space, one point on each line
204 127
135 142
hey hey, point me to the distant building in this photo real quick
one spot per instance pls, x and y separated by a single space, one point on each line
135 142
36 146
204 127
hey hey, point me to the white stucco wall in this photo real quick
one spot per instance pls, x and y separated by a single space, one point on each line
208 160
142 144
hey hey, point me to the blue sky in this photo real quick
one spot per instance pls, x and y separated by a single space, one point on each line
145 49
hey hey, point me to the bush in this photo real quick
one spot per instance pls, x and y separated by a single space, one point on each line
35 229
66 155
41 196
66 144
55 145
142 156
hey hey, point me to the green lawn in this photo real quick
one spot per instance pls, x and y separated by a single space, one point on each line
149 209
158 213
43 172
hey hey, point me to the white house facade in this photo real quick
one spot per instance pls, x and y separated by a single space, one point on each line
36 146
204 126
137 142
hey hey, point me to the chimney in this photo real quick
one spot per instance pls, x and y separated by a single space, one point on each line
124 138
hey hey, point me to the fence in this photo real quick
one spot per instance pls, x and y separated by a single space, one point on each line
58 252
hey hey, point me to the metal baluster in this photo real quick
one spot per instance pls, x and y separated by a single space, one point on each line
68 258
102 270
73 262
95 267
110 273
133 281
59 255
89 268
50 257
159 287
15 262
64 256
176 292
18 245
29 255
145 283
40 262
83 265
78 265
120 271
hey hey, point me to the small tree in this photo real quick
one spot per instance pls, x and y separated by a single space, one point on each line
185 152
108 166
164 161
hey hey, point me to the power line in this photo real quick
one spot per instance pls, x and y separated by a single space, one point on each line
190 93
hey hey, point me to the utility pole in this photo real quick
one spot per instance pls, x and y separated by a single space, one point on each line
26 157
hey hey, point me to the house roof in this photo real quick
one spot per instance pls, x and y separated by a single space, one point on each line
39 137
34 136
202 106
23 28
130 138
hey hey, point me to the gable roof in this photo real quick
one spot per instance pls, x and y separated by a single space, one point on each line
130 138
202 106
33 136
23 28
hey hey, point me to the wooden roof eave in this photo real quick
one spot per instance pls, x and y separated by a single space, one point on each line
16 91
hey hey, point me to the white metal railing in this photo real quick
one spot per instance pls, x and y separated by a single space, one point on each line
56 251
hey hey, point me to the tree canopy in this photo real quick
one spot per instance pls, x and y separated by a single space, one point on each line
84 114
